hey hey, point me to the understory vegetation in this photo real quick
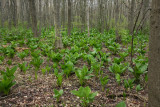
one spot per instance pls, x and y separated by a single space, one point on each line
88 71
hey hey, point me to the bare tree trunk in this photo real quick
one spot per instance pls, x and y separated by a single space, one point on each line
69 16
58 38
34 17
118 37
145 9
63 13
28 15
131 17
154 56
40 15
15 21
88 7
2 12
100 17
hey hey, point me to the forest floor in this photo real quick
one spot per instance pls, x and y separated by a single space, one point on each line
30 92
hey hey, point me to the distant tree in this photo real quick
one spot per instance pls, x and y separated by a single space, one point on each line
88 18
131 17
69 16
58 38
2 4
118 37
33 17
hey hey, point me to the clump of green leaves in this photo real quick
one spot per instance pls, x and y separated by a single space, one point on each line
55 57
114 47
46 69
128 83
118 78
121 104
1 59
96 67
104 81
21 55
24 67
9 62
68 68
118 68
10 52
89 58
85 95
36 62
36 53
57 94
59 77
83 75
7 80
117 60
138 88
139 68
123 55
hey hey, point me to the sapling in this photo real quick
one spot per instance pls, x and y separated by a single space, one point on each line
57 94
85 95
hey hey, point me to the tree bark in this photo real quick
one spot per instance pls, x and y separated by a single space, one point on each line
58 38
2 12
118 37
131 17
33 17
154 56
69 16
88 7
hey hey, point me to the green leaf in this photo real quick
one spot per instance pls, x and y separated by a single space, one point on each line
121 104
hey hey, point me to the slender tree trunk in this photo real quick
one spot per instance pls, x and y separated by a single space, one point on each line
40 16
63 13
131 17
69 16
2 12
28 15
154 56
34 17
145 9
118 37
58 38
15 20
88 7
